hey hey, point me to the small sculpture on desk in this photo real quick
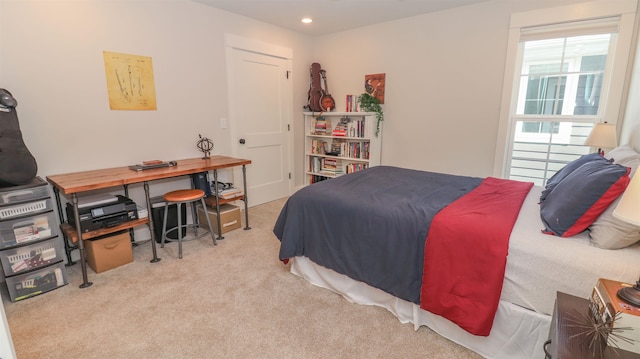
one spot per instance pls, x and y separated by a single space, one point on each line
599 333
205 145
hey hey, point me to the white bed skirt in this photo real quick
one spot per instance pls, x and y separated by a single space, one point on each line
517 333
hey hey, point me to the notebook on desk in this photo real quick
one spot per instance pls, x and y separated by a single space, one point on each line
152 165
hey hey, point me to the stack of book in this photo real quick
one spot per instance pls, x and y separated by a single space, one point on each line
321 126
331 167
340 130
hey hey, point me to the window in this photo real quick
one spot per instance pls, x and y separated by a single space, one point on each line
562 83
560 78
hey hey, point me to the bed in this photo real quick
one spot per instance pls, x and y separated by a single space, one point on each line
374 246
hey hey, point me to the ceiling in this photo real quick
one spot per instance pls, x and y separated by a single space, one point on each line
331 16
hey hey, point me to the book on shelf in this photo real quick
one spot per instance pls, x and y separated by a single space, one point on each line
337 147
356 128
355 167
351 103
317 178
357 150
318 147
342 127
315 164
331 166
349 128
321 126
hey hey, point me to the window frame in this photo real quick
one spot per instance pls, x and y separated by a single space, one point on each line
614 91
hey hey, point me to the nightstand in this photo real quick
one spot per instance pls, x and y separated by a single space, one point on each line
560 346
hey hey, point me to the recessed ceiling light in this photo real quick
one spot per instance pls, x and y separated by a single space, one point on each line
307 20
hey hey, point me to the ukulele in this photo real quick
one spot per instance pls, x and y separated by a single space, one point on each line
327 103
315 89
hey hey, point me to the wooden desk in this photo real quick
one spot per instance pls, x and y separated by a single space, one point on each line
70 184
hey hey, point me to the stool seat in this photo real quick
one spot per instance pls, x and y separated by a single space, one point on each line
183 195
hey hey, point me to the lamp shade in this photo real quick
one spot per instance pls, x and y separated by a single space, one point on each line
603 135
628 209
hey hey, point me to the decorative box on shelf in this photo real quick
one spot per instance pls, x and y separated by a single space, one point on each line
229 217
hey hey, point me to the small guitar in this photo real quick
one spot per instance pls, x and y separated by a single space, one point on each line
327 103
315 89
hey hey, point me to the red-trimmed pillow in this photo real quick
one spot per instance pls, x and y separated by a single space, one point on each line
580 197
567 170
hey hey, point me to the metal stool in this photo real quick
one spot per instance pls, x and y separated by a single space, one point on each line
180 197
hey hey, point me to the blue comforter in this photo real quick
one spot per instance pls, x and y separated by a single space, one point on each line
370 225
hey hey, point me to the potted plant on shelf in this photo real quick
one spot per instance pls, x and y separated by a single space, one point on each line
369 103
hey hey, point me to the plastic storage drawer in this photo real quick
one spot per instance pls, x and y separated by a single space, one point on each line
23 230
25 209
37 282
32 256
36 190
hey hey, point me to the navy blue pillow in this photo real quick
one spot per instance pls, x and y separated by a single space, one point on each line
566 170
581 196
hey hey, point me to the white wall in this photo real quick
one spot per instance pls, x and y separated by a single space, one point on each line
444 75
51 59
632 112
444 80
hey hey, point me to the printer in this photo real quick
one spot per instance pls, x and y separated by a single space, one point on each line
103 212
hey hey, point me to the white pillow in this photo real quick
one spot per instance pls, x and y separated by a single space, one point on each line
607 231
621 153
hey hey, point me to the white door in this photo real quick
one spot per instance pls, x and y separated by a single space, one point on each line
260 111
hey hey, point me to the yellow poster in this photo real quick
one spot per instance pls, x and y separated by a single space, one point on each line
129 81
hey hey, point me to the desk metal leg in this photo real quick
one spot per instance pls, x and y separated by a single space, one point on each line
83 256
132 234
151 225
246 202
215 188
67 248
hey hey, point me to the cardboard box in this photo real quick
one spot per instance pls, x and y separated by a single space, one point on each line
109 252
229 217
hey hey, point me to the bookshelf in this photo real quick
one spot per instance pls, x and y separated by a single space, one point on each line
337 143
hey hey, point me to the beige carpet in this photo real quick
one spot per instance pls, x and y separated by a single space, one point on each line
234 300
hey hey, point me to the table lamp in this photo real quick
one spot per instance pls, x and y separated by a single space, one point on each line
628 210
603 135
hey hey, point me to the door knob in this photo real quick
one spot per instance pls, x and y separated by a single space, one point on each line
242 141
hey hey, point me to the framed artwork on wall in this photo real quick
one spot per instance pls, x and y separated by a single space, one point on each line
374 86
129 81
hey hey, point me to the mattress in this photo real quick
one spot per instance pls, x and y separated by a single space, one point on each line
539 265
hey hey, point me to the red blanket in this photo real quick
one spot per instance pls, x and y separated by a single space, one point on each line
466 254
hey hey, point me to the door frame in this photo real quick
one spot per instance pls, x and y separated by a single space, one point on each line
234 42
